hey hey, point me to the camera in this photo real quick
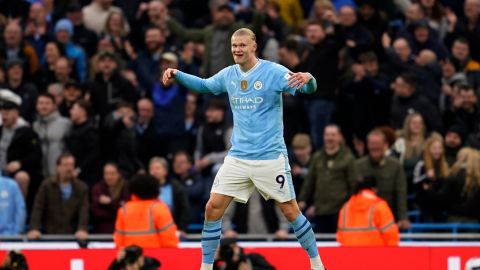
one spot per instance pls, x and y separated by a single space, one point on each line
132 253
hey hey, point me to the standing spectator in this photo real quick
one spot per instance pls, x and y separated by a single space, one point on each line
366 219
454 140
422 39
64 34
14 48
392 185
52 130
463 61
329 182
291 12
375 21
172 193
61 204
84 142
213 138
96 13
37 29
20 151
12 207
300 160
27 91
56 90
324 49
147 140
72 93
407 100
436 14
82 36
46 73
467 112
191 121
430 174
116 30
109 87
63 71
145 220
108 195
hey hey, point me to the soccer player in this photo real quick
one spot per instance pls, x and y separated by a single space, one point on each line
258 156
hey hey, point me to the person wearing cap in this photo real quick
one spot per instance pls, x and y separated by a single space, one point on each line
85 38
422 38
454 140
73 91
329 182
95 14
109 87
366 219
13 48
15 81
64 34
20 151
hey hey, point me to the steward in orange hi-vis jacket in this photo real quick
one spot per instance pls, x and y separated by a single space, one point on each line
145 221
366 219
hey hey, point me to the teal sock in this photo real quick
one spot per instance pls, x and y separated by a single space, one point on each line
210 240
306 237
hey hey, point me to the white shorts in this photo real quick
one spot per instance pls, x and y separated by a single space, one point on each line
238 177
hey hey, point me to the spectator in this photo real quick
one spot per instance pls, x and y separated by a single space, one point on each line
467 112
73 92
392 185
37 29
291 12
193 183
20 152
116 30
436 16
12 207
27 91
46 74
147 139
454 140
213 139
84 143
82 36
52 130
300 160
366 219
145 220
172 193
63 71
56 90
108 195
119 139
451 78
14 48
192 121
421 39
430 174
96 13
61 204
411 145
64 34
109 87
375 21
399 56
463 62
407 100
329 182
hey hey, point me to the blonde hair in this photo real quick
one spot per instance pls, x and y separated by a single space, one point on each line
245 32
428 159
407 134
468 159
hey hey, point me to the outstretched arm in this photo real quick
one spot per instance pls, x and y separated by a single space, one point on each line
303 82
210 85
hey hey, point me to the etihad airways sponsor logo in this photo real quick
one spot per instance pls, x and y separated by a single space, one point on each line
246 103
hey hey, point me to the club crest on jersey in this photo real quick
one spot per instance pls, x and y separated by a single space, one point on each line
257 85
243 85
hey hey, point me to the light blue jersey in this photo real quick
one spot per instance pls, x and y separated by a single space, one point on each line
256 101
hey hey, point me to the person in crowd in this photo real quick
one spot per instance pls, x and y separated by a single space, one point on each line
171 192
466 110
145 220
37 28
146 136
192 121
46 74
63 35
329 182
72 92
20 151
84 142
430 173
463 61
454 141
107 196
63 71
61 204
96 13
116 30
391 182
12 207
82 36
366 219
300 159
52 130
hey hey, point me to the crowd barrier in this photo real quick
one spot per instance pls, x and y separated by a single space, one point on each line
284 255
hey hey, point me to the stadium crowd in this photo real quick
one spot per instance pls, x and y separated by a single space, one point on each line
83 108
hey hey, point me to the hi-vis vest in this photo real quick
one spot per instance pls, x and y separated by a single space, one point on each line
366 220
146 223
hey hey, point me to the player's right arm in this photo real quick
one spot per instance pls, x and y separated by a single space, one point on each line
211 85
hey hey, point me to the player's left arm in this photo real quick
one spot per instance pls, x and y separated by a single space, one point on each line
302 82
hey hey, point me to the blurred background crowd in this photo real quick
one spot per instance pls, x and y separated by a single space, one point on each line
83 108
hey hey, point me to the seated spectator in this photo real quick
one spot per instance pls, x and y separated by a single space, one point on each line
107 197
171 192
20 154
63 35
392 185
12 207
463 62
72 93
213 139
84 143
329 182
366 219
410 145
430 174
52 130
300 160
145 221
454 141
193 183
61 204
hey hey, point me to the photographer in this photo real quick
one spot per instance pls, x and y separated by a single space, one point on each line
231 257
15 260
131 258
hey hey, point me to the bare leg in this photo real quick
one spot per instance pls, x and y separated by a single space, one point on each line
216 206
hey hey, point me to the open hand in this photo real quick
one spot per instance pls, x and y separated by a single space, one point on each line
299 79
